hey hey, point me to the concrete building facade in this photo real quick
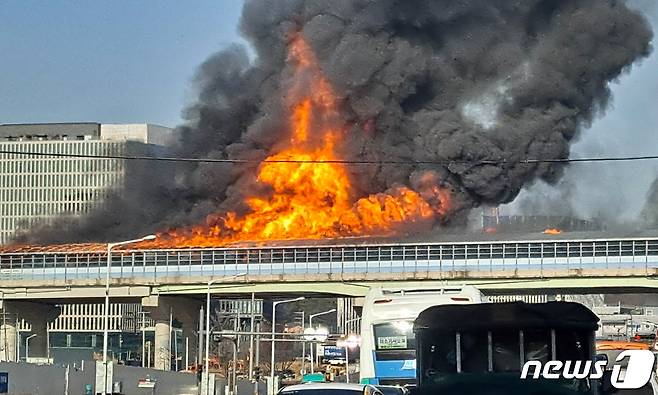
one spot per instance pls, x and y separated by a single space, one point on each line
45 185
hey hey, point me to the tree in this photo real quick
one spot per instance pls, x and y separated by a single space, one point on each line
225 349
286 312
286 352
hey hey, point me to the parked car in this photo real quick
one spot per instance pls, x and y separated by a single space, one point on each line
392 390
286 374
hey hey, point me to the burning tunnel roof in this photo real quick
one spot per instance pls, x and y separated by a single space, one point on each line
78 247
349 241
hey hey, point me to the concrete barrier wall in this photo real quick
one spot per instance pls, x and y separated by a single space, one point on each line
167 383
30 379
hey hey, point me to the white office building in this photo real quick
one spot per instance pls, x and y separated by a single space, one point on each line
38 188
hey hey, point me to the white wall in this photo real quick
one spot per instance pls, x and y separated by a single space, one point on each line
142 132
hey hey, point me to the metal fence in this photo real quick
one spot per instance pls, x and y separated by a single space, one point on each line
403 258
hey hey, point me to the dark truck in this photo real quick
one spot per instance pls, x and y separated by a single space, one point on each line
482 348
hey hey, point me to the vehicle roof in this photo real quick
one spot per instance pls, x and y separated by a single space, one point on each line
407 303
319 386
507 315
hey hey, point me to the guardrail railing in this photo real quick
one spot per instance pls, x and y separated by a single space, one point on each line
403 258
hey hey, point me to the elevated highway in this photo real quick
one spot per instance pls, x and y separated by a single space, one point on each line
172 282
505 266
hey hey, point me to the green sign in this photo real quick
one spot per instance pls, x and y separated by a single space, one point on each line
391 342
313 378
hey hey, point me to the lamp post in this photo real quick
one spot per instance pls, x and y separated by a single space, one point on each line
106 311
310 324
205 374
27 346
303 363
4 326
143 324
274 333
347 322
350 342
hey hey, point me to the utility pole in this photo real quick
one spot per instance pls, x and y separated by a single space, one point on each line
252 315
236 349
171 322
199 355
302 369
4 328
143 328
257 357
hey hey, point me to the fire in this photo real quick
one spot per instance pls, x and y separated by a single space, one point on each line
552 231
307 199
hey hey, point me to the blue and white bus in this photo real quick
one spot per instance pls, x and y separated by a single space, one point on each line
388 355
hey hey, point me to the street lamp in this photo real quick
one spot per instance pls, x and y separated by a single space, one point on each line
27 346
106 312
274 333
350 342
310 324
302 370
4 327
207 364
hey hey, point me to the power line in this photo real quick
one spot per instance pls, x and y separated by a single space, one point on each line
338 161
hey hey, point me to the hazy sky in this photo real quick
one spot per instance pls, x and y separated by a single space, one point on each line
108 61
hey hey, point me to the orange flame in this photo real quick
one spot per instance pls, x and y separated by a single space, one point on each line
552 231
312 200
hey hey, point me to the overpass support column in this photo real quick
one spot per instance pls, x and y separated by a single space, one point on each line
8 337
163 348
37 316
184 314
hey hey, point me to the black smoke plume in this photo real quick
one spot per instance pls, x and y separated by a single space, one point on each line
463 81
650 211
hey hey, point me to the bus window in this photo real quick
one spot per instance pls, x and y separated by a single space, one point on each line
571 346
506 348
537 345
474 355
441 358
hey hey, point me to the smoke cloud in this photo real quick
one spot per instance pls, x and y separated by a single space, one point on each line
650 211
617 194
461 81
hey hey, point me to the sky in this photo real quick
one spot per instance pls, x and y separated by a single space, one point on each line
125 61
117 61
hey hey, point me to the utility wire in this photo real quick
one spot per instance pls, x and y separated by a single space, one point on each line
338 161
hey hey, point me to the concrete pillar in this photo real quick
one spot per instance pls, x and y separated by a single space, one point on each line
162 351
38 316
8 339
184 310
